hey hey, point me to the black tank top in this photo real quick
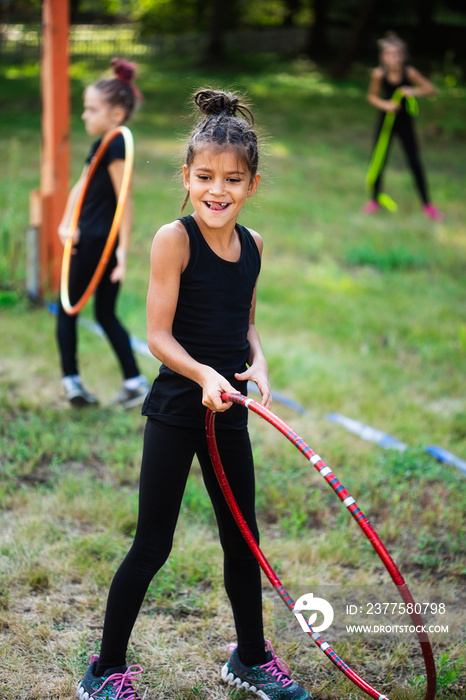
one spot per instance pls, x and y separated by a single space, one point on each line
211 323
388 88
99 203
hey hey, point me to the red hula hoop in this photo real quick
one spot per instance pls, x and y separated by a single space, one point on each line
70 309
357 514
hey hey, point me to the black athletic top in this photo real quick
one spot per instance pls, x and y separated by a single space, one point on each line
388 88
211 323
99 203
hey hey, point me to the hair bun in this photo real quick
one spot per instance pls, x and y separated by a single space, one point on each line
212 102
391 38
215 102
123 70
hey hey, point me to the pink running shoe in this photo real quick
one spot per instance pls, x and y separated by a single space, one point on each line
371 207
432 212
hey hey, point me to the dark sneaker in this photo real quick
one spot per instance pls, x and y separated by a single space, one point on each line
76 393
270 681
132 397
115 684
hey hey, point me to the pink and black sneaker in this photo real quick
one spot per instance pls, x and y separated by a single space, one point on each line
115 684
270 680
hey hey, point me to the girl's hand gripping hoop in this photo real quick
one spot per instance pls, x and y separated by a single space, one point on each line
112 236
357 514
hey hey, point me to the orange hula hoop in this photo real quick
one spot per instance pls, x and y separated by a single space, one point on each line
120 207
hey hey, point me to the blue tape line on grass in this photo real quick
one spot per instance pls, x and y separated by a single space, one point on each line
52 307
280 398
365 432
142 348
447 457
137 344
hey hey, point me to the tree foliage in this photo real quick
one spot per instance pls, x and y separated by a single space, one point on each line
185 15
429 25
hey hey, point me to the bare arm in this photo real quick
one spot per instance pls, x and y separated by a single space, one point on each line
257 371
373 93
169 257
70 205
116 170
423 87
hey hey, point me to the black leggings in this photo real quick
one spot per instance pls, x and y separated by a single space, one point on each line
166 461
82 267
404 129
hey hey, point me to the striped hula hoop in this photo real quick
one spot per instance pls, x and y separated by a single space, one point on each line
357 514
70 309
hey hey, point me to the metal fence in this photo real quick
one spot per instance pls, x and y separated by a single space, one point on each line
21 43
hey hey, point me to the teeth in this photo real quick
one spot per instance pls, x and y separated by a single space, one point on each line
222 204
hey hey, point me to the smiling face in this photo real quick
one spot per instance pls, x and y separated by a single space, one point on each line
99 117
219 183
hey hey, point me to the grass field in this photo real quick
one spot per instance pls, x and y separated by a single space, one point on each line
361 316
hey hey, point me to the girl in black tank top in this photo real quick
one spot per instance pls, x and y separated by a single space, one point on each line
108 103
392 75
211 327
201 326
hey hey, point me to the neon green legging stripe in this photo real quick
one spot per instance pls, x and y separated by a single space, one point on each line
381 147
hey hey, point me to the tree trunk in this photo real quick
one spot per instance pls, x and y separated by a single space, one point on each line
316 46
291 8
422 37
74 11
354 40
222 18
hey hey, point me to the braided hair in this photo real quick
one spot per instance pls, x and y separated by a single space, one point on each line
227 124
120 90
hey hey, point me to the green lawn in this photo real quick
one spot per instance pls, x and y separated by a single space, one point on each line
361 316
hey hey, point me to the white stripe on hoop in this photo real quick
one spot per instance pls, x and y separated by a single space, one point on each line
349 500
325 470
315 458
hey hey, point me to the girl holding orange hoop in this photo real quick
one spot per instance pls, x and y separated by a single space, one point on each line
108 104
201 326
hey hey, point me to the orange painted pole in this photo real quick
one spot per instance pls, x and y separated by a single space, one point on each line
55 155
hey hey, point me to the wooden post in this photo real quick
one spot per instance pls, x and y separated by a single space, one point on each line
55 139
